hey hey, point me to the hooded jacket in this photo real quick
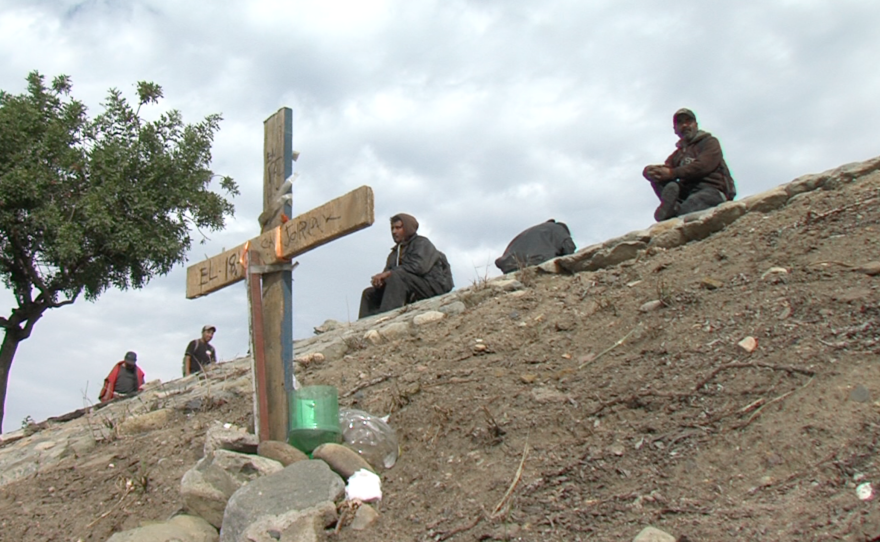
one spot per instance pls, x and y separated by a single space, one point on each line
701 161
419 256
110 381
536 245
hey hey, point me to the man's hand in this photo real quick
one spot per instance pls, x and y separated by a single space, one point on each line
379 280
658 173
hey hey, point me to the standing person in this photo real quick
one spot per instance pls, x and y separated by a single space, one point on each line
124 380
536 245
199 352
414 270
695 176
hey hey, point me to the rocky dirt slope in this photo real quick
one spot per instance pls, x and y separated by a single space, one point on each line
587 406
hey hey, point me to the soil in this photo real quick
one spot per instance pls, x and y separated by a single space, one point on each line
574 411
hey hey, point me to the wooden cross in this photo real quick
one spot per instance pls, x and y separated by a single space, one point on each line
268 256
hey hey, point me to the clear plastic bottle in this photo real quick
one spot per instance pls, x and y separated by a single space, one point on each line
370 436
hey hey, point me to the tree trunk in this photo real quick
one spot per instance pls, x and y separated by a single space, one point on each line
7 352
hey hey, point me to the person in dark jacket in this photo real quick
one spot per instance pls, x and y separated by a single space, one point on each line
536 245
415 270
695 176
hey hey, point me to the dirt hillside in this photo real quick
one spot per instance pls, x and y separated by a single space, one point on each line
576 409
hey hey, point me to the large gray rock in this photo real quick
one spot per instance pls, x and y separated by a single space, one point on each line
767 201
614 255
715 220
230 438
206 488
177 529
295 501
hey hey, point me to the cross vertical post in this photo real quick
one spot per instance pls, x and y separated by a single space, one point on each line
277 299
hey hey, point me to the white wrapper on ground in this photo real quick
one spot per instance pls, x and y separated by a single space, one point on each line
364 486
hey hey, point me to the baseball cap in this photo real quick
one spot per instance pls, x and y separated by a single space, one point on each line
131 356
209 327
684 111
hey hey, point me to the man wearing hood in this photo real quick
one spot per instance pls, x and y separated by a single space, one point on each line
415 270
695 176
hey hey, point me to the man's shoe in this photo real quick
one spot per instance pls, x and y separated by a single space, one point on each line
668 202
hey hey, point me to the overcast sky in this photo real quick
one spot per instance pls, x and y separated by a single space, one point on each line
479 118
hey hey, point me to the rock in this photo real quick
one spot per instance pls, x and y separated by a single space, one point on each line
651 306
45 445
711 284
715 220
372 336
454 308
774 272
232 438
328 325
177 529
550 266
615 255
805 183
576 262
281 452
872 268
207 487
311 358
528 378
342 460
651 534
395 331
506 285
365 516
548 395
244 467
749 344
853 294
205 492
144 423
428 317
336 350
860 394
767 201
297 503
670 238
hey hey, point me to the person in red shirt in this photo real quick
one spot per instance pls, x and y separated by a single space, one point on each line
124 380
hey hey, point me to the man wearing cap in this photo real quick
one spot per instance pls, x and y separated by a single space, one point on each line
124 380
199 352
414 270
695 176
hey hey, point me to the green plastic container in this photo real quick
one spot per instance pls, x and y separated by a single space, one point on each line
314 417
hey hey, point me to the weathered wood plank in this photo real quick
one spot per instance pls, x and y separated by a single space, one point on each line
336 218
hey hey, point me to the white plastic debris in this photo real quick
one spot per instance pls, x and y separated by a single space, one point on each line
865 492
364 486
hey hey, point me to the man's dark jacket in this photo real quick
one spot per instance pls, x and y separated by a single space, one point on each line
419 256
700 161
536 245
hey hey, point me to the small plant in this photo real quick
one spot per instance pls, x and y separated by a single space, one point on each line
27 421
664 294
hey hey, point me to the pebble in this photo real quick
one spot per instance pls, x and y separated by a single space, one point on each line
711 284
651 306
749 344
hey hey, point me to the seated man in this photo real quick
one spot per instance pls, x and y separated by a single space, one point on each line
415 270
695 176
124 380
536 245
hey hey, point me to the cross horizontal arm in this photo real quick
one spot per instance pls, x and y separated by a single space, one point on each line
336 218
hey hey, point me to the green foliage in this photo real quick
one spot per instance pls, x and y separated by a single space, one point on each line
87 204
